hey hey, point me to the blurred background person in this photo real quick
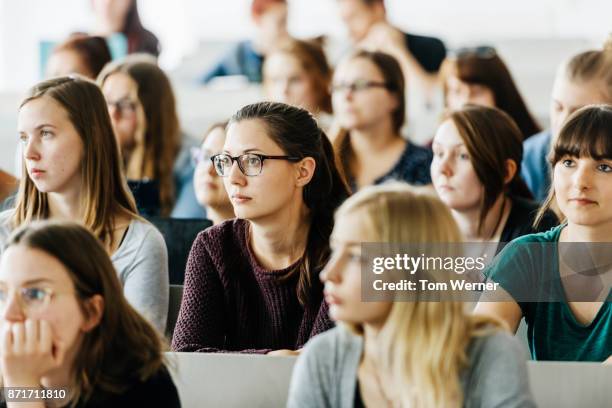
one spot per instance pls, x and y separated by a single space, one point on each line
142 107
246 57
79 54
297 73
479 76
209 189
121 16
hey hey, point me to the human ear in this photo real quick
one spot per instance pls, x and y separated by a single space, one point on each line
305 169
511 169
94 310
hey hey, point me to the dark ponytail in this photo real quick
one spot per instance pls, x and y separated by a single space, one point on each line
297 133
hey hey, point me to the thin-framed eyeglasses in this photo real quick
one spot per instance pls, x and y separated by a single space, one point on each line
30 298
359 85
250 164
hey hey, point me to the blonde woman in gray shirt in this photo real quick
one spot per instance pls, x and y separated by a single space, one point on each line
71 168
402 353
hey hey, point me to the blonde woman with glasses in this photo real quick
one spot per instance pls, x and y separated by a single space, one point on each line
398 353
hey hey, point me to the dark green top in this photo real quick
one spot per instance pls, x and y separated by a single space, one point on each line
528 269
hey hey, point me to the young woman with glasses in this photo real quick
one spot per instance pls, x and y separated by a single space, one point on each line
72 170
66 328
209 189
479 76
251 283
368 101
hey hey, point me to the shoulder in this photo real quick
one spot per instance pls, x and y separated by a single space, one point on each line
6 226
484 349
143 232
423 40
537 144
415 155
524 212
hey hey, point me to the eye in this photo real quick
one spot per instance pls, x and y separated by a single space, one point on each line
46 133
23 138
252 160
604 168
567 163
464 156
34 294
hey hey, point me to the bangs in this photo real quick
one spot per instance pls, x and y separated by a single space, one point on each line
587 133
474 70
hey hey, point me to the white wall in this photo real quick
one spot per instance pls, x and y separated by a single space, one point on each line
182 24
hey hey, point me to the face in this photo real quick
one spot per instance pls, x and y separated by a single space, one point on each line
568 96
264 195
342 275
287 81
358 17
272 23
363 108
583 187
67 62
52 148
125 109
35 285
209 188
452 172
459 93
112 12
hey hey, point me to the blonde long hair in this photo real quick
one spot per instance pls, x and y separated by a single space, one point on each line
105 194
423 344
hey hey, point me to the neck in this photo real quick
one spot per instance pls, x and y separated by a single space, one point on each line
371 350
374 139
279 242
218 214
468 220
587 233
65 206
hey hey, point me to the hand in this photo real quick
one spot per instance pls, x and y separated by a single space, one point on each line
27 352
608 361
384 37
285 352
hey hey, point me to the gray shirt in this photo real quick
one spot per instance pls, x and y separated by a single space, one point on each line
325 374
141 262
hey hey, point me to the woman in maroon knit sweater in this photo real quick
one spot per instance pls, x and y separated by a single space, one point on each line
251 284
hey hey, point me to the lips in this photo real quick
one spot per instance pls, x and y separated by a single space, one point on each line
240 199
331 299
582 201
35 173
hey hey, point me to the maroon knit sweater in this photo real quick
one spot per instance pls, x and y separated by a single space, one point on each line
230 303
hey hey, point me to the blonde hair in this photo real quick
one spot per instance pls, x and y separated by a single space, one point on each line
423 344
594 65
105 193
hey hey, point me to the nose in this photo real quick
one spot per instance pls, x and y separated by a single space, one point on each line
12 311
582 177
114 112
331 271
31 151
235 176
443 165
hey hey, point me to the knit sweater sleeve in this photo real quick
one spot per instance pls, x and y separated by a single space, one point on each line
323 322
200 323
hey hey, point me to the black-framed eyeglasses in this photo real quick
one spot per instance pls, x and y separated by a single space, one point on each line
250 164
482 51
359 85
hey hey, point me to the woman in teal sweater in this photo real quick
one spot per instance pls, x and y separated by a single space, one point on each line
562 288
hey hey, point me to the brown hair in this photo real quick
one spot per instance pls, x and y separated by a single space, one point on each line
491 137
155 157
489 70
394 78
139 39
105 192
586 133
593 65
122 332
92 50
313 61
296 132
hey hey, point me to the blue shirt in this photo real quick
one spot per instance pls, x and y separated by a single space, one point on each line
242 59
535 169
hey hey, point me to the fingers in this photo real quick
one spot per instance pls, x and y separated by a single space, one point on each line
18 330
31 340
6 343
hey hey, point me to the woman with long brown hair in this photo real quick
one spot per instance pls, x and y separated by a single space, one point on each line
479 76
72 170
390 352
251 283
67 329
369 107
142 106
475 171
